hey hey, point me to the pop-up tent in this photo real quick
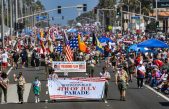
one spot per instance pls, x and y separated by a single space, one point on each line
134 47
153 43
104 39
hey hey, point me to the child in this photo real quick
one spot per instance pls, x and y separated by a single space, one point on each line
37 89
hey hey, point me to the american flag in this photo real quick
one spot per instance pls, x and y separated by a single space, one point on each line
73 45
68 53
67 49
59 48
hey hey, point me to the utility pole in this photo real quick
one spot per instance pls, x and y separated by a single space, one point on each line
11 15
140 18
16 15
97 16
2 23
121 20
7 12
103 20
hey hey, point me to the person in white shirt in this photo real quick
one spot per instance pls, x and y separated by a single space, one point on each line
4 60
140 75
53 75
107 76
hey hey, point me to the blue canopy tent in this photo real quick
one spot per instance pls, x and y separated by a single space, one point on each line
134 47
153 43
104 39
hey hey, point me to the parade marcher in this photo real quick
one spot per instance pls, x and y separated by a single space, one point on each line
53 75
131 67
37 89
113 60
106 55
91 66
33 58
37 60
107 76
4 82
23 56
20 86
15 59
121 79
141 71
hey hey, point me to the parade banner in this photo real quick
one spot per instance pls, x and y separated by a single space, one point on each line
76 66
81 88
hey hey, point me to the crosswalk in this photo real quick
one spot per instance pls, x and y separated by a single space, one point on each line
12 96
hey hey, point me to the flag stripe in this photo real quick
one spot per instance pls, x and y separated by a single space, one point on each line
69 54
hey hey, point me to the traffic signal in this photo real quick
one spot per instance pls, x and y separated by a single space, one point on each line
84 7
157 24
59 9
62 17
52 18
19 26
118 12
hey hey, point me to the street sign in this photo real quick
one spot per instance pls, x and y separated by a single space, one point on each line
161 4
135 17
40 18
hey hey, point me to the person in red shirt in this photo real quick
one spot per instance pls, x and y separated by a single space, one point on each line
158 62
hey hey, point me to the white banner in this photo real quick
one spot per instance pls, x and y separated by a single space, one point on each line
76 66
83 88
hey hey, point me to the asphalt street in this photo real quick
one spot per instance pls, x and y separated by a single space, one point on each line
136 98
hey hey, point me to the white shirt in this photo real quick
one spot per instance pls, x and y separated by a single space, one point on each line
106 75
4 57
53 76
141 68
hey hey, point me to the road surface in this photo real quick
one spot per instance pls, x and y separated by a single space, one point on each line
136 98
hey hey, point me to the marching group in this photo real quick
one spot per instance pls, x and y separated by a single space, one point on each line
151 68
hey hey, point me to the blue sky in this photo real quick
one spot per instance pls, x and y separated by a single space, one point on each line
68 14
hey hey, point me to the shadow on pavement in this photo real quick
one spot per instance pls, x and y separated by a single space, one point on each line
69 101
113 99
164 103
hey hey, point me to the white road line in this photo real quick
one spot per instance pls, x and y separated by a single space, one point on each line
27 92
9 70
158 93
